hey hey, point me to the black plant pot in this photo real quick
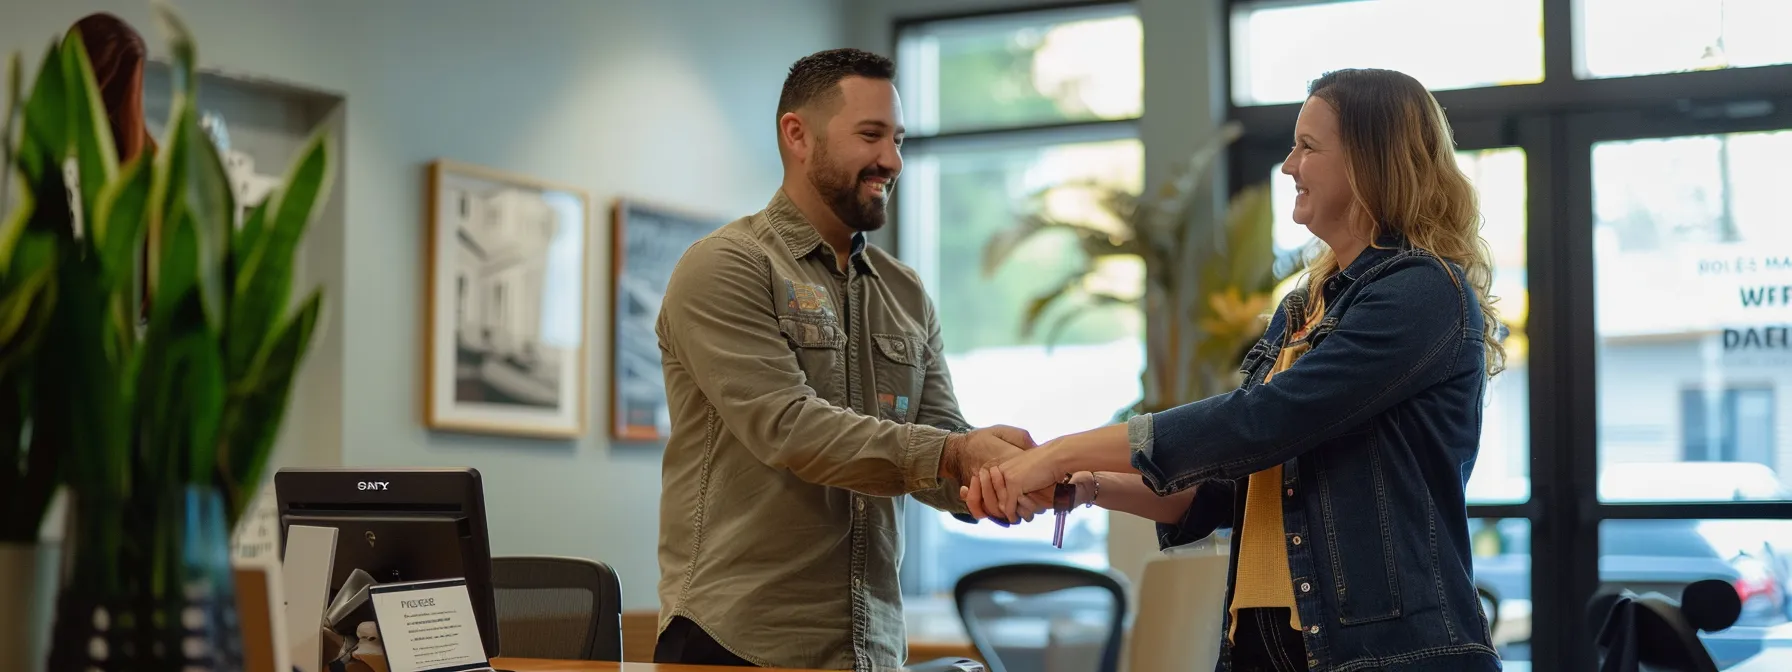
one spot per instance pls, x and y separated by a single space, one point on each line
151 592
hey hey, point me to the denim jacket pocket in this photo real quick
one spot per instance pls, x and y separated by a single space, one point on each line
1360 540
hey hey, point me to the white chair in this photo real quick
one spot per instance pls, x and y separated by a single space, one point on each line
1181 602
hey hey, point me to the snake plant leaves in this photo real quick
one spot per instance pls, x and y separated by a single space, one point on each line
118 222
90 136
258 407
46 119
263 282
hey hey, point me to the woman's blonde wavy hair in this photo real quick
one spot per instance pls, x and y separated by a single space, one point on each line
1404 179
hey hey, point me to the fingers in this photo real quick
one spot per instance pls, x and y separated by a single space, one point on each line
1020 438
1006 505
972 497
991 498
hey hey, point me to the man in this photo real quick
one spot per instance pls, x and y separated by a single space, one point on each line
808 391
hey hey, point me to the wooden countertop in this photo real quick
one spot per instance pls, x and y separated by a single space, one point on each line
535 665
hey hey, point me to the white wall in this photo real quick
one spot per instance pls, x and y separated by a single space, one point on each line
669 100
1183 103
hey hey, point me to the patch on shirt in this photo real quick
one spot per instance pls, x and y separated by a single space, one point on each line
803 298
895 407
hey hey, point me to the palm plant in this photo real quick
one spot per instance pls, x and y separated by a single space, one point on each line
1208 279
160 431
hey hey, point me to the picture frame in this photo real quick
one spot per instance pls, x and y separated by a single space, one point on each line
647 240
506 329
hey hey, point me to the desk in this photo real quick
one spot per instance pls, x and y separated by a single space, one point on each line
377 663
536 665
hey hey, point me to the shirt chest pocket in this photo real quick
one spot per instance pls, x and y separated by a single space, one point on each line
900 367
818 343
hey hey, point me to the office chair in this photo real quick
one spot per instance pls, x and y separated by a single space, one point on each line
560 608
1653 633
1044 617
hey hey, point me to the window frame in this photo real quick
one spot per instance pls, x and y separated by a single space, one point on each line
920 527
1557 121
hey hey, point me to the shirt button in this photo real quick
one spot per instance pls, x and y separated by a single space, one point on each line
1313 629
1291 492
861 504
1306 587
1297 540
858 582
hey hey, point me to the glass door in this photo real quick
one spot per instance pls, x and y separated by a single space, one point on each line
1686 471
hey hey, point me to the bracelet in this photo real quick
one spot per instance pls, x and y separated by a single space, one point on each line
1096 481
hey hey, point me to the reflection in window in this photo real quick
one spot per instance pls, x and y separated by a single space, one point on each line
1730 425
1023 69
1502 557
1620 38
1692 265
1278 47
1752 556
1502 472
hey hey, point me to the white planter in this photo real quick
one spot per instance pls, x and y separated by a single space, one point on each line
27 604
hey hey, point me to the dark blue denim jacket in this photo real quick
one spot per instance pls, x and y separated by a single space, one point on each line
1376 427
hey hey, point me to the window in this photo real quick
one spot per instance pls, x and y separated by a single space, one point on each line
1024 69
1279 46
1010 116
1620 38
1626 153
1693 272
1729 425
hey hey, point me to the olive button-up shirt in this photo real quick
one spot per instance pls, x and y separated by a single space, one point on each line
806 401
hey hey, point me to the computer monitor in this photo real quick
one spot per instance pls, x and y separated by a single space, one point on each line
398 525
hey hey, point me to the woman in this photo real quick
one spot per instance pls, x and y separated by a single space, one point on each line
1340 463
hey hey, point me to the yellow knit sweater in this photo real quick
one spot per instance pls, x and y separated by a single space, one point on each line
1263 578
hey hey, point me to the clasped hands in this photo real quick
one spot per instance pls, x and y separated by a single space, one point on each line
1005 477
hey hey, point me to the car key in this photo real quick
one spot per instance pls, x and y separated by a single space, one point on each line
1063 500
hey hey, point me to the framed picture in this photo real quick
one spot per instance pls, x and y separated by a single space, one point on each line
508 266
649 240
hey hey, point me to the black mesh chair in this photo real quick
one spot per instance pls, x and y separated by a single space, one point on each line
1044 617
559 608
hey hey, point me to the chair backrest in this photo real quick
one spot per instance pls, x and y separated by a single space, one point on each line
560 608
1044 617
1182 602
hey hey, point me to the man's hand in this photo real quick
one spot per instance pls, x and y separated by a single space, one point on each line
967 453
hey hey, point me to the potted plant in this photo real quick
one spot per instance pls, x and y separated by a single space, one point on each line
159 429
1209 278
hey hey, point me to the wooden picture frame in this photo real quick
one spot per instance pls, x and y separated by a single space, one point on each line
506 330
647 240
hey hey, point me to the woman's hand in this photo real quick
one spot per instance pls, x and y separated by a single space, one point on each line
1020 483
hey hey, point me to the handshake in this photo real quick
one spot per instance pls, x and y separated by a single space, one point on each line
1006 477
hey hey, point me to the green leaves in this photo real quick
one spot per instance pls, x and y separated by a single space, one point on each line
267 245
45 119
124 414
96 159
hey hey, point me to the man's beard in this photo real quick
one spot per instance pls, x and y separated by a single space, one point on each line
839 188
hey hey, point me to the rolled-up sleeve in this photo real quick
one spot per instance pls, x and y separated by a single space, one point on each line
718 318
1402 334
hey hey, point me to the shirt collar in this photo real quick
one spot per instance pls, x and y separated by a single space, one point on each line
802 239
1385 245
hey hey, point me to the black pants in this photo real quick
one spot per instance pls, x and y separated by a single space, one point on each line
684 642
1265 643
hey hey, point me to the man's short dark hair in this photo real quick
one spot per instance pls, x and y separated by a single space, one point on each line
816 77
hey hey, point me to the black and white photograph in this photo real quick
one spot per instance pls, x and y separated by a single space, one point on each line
507 275
648 241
